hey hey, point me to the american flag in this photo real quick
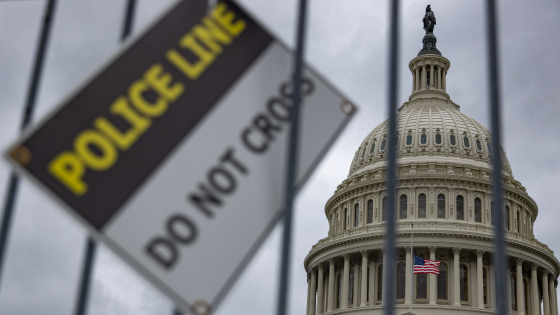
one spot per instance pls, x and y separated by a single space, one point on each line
422 265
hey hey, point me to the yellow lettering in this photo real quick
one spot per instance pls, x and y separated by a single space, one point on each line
69 169
161 83
225 18
210 34
126 139
137 99
88 139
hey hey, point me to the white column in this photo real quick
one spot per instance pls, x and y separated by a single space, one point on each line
546 300
383 280
424 77
320 291
330 299
456 279
555 295
535 299
552 295
364 297
479 280
413 81
519 286
313 292
417 77
345 282
444 80
408 276
432 278
308 295
372 278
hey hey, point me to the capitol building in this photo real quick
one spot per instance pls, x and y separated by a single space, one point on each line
444 189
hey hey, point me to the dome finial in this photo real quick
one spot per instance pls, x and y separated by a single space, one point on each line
429 41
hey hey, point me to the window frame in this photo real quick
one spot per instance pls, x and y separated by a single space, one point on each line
443 208
356 215
370 212
462 207
478 209
425 206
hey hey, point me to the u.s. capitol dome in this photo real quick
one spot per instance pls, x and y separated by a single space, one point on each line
444 189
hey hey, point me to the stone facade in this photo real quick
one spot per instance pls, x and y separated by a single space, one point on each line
444 189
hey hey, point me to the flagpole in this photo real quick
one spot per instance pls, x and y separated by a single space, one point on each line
411 265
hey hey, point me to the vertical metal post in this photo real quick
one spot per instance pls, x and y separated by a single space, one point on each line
292 160
498 213
91 246
412 263
86 276
389 270
27 114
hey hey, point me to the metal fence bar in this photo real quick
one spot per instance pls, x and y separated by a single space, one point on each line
500 265
292 160
27 114
86 276
91 245
389 268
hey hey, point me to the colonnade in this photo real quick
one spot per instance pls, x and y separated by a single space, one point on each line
420 77
353 281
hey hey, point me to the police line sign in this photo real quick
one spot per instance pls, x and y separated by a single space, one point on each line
174 153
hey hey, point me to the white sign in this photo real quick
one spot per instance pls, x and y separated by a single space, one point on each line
194 220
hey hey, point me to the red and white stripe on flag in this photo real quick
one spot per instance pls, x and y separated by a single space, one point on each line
422 265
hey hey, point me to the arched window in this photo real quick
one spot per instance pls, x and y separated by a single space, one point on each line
384 208
485 286
408 139
396 141
478 145
345 219
351 287
442 282
464 283
370 211
380 283
383 144
438 138
422 286
506 218
477 210
519 223
492 213
460 210
372 148
356 215
403 206
466 141
441 206
401 280
489 148
452 140
364 152
339 291
421 206
424 138
513 293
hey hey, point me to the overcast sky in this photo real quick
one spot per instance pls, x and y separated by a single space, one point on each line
347 44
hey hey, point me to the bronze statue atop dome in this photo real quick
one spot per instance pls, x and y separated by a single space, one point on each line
429 20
